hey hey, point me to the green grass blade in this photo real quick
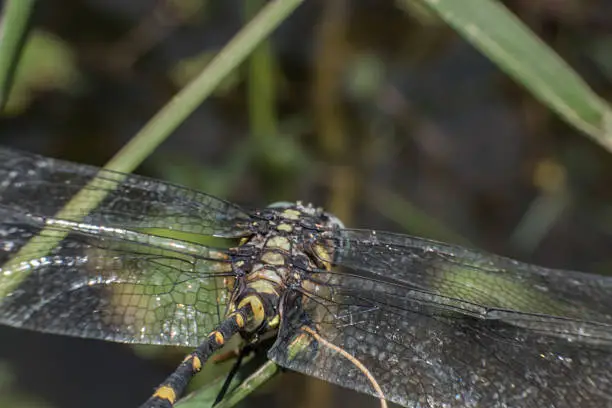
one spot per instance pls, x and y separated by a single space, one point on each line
202 398
13 32
261 85
504 39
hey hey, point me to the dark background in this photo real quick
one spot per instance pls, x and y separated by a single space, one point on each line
387 119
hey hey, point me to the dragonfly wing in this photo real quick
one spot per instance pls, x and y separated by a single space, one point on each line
376 339
109 284
470 277
436 325
43 186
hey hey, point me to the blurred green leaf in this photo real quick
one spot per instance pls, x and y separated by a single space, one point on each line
47 63
12 397
366 77
502 37
262 74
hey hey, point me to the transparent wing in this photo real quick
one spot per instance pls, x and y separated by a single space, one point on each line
442 326
467 278
43 186
108 283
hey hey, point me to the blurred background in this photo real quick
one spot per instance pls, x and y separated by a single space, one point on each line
377 111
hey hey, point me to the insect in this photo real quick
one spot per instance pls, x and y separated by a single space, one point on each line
408 320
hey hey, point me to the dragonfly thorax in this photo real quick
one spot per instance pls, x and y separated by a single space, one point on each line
282 256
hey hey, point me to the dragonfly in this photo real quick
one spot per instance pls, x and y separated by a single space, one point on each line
408 320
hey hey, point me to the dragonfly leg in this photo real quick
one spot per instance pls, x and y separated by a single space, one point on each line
353 360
